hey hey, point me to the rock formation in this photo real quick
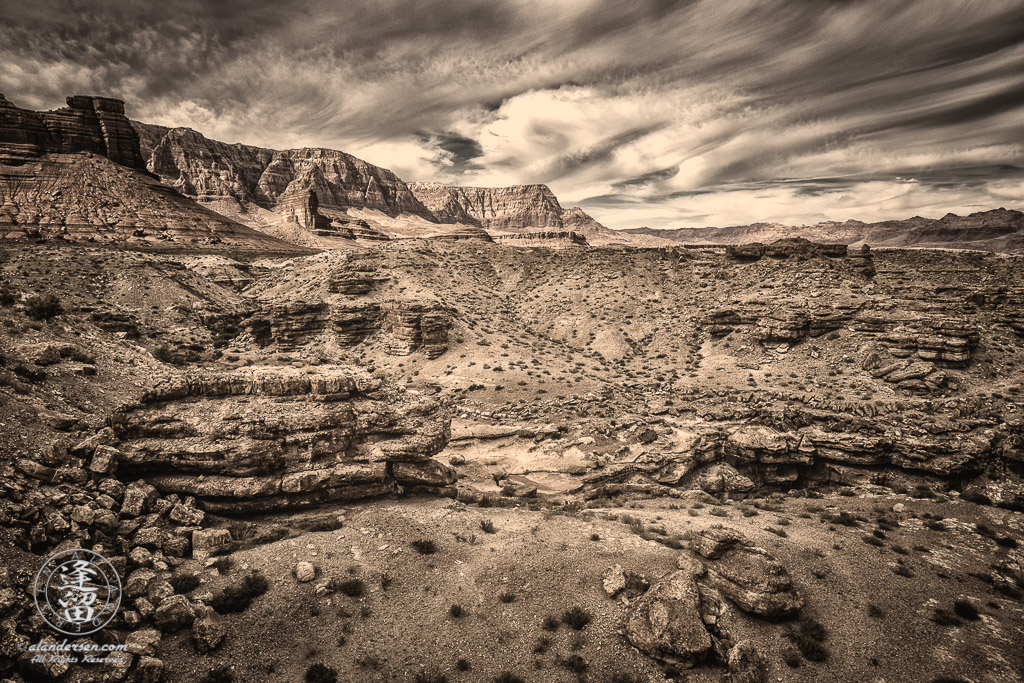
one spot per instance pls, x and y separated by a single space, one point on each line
269 438
209 171
544 238
94 125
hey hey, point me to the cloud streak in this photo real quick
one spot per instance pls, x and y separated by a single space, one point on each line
662 113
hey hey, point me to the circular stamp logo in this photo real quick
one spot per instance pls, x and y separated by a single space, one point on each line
77 592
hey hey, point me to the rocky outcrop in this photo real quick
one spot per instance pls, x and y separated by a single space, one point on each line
748 576
269 438
404 326
443 203
546 238
665 623
88 124
785 248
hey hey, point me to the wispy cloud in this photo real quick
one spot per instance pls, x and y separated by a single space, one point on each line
658 112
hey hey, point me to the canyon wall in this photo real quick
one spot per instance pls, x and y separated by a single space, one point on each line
88 124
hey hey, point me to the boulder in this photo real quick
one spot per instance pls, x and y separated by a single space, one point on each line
665 623
208 628
746 664
143 642
748 576
174 613
149 670
305 572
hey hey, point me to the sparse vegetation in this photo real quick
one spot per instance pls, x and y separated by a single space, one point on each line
576 618
238 596
424 546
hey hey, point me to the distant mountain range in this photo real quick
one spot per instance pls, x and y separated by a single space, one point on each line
996 230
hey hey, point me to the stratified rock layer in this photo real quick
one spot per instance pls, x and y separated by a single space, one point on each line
267 438
88 124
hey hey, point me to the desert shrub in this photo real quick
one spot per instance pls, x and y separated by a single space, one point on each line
872 540
223 564
966 610
935 524
424 546
7 294
507 597
808 635
792 656
903 570
184 582
430 676
456 611
550 623
944 617
238 596
541 645
487 526
781 533
576 618
321 673
386 580
875 612
574 663
1008 590
508 677
218 674
463 665
922 491
1006 542
43 307
843 517
353 588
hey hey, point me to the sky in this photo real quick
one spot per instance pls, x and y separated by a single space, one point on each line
644 112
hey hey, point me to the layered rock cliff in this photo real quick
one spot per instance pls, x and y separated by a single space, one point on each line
88 124
210 170
240 179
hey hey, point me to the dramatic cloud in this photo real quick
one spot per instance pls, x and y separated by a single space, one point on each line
659 112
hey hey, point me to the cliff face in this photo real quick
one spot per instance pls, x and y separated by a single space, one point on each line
238 179
73 174
514 208
210 170
88 124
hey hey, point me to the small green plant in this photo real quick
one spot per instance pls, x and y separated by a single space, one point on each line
487 526
507 597
550 623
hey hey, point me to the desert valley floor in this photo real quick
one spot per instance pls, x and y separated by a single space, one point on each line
428 460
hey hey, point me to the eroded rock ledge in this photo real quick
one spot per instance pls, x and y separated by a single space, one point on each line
269 438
